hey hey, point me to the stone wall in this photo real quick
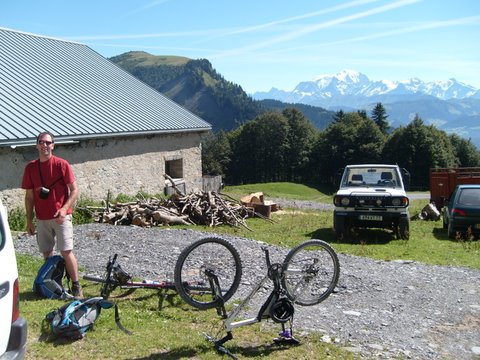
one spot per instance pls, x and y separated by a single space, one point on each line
118 165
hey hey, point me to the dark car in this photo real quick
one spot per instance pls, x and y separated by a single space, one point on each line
462 211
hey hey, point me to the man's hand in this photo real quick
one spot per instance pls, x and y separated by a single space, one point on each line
72 197
60 215
30 228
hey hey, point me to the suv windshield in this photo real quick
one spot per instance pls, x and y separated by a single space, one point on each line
371 176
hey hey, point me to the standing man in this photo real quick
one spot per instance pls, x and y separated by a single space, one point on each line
51 190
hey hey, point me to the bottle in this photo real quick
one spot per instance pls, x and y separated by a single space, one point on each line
150 282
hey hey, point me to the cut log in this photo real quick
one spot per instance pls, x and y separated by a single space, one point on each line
139 220
164 218
109 217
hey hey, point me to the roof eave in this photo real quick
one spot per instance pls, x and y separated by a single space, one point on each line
72 139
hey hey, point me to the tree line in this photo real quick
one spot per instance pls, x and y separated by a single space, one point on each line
285 146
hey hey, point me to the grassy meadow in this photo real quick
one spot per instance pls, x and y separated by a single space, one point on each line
175 331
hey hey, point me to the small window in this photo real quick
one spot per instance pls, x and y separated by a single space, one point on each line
174 168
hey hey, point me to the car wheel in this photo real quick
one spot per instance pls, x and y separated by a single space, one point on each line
340 227
451 231
396 232
404 228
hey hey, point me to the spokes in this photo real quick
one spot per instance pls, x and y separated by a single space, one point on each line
213 262
311 272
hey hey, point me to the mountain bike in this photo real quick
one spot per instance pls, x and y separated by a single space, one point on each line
307 276
116 277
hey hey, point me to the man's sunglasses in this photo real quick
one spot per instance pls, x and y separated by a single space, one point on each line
41 142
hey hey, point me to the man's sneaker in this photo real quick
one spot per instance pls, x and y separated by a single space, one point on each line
77 291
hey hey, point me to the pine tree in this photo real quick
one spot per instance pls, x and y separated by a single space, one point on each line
338 116
363 114
379 116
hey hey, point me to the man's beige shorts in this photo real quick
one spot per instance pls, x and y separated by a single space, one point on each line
49 233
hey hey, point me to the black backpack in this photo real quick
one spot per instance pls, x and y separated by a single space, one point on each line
75 318
49 280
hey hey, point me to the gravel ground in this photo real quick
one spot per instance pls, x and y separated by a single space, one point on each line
397 309
303 204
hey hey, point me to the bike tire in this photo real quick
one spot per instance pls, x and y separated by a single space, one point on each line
311 272
208 254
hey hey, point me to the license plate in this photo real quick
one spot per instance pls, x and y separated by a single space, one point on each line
477 226
371 217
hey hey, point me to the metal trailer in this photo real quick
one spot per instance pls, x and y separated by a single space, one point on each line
444 180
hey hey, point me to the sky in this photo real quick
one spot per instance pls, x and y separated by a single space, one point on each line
260 44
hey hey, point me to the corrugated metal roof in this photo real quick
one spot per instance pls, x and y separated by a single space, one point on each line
74 92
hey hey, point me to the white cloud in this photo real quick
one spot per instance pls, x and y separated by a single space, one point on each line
314 28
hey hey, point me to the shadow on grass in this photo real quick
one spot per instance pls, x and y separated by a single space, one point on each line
259 351
247 352
178 353
441 234
166 297
30 296
361 236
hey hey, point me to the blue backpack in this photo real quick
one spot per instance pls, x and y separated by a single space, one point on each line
49 280
75 318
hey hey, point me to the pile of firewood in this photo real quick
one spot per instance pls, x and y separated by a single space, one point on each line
200 208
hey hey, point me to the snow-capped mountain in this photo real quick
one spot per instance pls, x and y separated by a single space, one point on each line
450 105
350 88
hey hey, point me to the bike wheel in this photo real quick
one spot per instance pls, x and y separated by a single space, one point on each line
210 255
311 272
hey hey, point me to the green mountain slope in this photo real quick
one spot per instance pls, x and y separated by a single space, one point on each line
195 85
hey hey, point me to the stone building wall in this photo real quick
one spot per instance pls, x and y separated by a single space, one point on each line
118 165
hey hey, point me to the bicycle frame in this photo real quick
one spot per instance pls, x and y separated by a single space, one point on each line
229 322
117 277
275 273
306 277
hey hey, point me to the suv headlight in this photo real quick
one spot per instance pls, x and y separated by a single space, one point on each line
341 201
396 201
400 201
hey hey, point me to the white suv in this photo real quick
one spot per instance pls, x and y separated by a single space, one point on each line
13 327
372 196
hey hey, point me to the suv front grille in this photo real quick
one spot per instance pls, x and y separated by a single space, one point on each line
374 202
369 201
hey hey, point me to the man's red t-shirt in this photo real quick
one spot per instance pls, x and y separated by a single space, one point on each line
56 174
